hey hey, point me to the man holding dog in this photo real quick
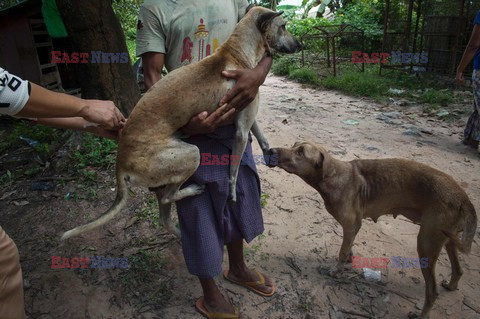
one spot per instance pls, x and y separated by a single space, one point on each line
173 34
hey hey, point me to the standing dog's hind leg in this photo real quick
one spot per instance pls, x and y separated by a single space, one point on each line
429 245
456 268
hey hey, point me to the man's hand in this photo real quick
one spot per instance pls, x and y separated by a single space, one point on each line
203 123
247 83
103 113
459 78
245 89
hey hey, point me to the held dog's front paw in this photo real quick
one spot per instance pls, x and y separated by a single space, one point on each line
199 189
232 198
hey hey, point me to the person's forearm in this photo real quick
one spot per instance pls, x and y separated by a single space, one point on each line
264 66
151 77
73 123
47 104
467 58
78 124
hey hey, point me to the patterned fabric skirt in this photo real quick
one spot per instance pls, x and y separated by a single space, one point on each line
208 221
472 130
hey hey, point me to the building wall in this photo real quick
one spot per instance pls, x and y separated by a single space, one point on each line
17 51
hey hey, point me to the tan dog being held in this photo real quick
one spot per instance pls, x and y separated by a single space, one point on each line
372 188
150 152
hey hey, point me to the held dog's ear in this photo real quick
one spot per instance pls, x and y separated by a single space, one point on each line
265 18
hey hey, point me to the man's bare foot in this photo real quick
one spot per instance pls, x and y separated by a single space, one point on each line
213 300
252 279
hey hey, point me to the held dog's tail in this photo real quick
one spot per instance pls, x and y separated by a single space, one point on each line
116 207
470 227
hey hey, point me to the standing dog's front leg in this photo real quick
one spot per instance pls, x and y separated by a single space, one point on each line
243 122
345 254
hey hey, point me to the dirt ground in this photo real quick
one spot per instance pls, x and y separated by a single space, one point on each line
300 243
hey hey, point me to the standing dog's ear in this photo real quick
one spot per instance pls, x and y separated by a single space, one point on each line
322 163
265 18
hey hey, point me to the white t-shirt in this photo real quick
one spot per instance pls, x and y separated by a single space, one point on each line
186 31
14 93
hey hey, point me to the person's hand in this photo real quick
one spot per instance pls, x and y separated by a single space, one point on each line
245 89
204 123
103 113
459 78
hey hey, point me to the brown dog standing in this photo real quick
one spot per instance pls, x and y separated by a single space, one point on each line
372 188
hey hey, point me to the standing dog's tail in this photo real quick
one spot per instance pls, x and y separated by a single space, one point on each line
470 227
116 207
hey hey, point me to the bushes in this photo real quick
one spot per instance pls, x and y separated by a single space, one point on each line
304 75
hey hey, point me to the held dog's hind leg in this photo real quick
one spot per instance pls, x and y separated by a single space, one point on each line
165 214
172 192
175 165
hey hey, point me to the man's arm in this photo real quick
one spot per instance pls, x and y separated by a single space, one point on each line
469 53
152 67
248 81
201 123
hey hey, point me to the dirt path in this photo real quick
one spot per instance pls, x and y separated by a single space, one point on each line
301 240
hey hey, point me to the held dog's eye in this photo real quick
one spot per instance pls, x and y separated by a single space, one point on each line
299 151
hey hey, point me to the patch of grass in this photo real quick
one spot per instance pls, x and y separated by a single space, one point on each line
263 199
357 84
95 152
149 211
304 75
146 279
44 135
436 97
7 178
282 66
306 303
251 251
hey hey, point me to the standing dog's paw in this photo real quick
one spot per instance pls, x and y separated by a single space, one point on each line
334 272
445 284
412 315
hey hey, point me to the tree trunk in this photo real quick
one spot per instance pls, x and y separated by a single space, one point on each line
274 5
92 26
